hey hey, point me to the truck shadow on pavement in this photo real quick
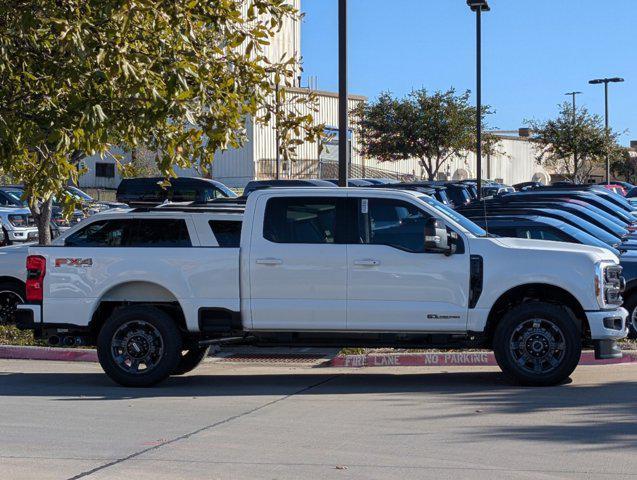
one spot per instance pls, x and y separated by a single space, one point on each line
600 415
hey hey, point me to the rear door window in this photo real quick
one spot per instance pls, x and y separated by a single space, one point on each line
302 220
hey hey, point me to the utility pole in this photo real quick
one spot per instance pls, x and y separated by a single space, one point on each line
573 94
278 137
606 81
342 94
479 6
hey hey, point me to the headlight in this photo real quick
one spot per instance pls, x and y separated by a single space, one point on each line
61 221
609 284
18 220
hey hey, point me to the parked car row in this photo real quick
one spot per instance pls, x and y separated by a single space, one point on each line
16 222
582 214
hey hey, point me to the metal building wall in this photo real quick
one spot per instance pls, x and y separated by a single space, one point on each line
305 163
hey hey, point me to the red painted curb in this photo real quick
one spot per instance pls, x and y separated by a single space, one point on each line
47 353
448 359
435 359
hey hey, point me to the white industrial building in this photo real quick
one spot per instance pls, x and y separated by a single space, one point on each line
257 158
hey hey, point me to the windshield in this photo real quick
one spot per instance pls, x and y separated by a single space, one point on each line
584 225
79 193
464 222
586 238
15 194
229 193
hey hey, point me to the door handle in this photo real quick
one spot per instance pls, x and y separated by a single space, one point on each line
269 261
368 262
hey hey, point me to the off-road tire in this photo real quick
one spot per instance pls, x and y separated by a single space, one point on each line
529 330
155 329
190 359
11 294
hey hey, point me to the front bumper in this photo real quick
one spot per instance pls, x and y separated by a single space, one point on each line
607 326
23 235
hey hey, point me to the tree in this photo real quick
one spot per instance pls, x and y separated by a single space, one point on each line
430 127
178 78
623 164
573 143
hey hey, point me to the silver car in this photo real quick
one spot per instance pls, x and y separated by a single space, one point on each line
17 225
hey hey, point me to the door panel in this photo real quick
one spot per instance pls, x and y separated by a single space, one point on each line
393 284
298 268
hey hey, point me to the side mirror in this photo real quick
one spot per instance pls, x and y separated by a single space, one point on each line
436 237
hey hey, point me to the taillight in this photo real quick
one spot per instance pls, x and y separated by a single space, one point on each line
36 269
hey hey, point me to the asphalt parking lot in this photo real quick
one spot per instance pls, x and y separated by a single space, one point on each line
236 421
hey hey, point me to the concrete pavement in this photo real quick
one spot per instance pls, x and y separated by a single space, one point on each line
234 421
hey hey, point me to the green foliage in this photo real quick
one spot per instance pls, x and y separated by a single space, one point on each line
430 127
10 335
573 143
623 164
179 78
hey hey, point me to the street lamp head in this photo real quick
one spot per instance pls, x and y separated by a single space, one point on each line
476 5
606 80
573 93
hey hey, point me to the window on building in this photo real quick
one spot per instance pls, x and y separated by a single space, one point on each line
301 220
105 170
227 233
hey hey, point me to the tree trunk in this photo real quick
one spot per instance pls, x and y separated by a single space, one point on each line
42 217
426 164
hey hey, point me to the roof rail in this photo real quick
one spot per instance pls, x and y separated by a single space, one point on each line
209 207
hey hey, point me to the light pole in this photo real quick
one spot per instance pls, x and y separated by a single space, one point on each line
606 81
573 94
479 6
342 93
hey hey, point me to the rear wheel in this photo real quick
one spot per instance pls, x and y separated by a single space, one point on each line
190 359
139 346
11 295
537 344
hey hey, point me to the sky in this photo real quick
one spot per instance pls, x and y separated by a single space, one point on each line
533 53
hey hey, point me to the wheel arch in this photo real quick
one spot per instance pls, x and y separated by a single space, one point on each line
17 281
136 292
542 292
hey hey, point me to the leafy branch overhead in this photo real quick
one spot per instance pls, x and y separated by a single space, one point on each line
177 78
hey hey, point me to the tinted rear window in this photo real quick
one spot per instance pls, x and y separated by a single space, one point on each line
132 233
228 234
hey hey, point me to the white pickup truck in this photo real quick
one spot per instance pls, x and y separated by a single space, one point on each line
154 288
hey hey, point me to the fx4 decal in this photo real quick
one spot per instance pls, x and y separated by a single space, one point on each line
74 262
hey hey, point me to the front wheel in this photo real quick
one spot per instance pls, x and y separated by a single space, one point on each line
139 346
190 359
631 305
537 344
